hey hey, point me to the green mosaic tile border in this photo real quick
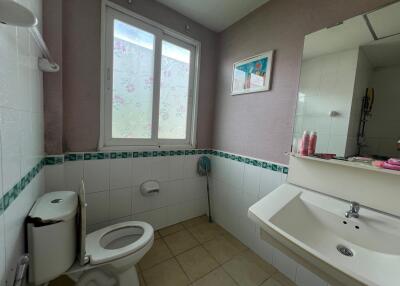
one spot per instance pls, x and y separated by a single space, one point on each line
17 189
59 159
251 161
55 160
20 186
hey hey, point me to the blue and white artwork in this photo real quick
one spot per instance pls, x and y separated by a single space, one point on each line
252 74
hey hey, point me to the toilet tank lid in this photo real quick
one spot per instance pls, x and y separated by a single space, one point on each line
55 206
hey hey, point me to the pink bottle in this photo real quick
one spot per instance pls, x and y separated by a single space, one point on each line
312 144
305 141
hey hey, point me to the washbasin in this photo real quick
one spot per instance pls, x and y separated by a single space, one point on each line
366 248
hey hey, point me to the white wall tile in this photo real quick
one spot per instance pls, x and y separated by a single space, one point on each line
96 174
54 175
178 212
218 166
194 187
141 203
121 219
269 181
98 207
174 191
10 147
120 173
158 218
236 173
120 203
21 129
251 183
304 277
190 166
159 168
176 165
93 227
73 174
2 251
141 168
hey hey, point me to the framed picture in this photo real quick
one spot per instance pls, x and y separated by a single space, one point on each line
252 74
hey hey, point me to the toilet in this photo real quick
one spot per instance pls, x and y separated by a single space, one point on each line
58 244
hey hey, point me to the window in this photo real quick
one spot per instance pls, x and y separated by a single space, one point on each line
149 84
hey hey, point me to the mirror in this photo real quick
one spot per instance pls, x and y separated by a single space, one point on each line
350 86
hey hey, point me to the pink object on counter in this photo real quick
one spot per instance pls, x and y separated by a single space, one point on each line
305 141
386 165
312 144
394 161
377 163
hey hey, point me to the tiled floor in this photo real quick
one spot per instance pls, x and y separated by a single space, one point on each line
198 253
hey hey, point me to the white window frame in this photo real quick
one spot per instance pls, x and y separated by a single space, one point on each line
111 11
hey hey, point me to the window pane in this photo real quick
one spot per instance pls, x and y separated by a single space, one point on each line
174 92
133 68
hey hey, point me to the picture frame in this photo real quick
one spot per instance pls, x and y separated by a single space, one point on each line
252 74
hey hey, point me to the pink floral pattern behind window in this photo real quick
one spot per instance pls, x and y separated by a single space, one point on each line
133 66
175 71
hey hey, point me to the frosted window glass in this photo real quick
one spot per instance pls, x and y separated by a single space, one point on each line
174 91
133 70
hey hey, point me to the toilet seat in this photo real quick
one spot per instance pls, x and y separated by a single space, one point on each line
98 253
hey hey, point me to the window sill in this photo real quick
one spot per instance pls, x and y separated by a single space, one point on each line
147 148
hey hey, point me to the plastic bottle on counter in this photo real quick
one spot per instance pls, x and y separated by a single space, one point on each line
312 144
305 141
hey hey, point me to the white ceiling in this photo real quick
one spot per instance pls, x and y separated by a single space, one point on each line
349 35
354 33
386 21
384 53
216 15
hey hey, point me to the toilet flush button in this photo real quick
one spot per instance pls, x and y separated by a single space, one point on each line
56 201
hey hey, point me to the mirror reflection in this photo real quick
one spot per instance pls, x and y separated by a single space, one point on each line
349 90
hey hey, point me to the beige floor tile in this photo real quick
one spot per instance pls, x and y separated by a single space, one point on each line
194 221
282 280
257 260
156 235
216 278
171 229
63 280
167 273
196 262
235 242
206 231
158 253
245 270
271 282
221 249
180 242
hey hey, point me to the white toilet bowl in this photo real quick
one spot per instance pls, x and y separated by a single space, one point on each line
113 251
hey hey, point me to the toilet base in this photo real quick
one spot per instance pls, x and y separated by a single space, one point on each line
106 276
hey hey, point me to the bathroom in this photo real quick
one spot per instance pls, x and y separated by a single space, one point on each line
179 126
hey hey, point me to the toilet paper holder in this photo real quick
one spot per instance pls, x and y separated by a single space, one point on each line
150 188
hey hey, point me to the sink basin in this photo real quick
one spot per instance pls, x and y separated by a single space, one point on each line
366 248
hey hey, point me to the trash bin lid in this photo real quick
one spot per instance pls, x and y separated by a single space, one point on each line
55 206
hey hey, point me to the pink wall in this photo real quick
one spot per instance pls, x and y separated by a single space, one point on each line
78 114
260 125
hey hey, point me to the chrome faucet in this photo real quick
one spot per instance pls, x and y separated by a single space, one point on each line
354 209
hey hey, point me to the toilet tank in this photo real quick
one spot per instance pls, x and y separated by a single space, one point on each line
52 236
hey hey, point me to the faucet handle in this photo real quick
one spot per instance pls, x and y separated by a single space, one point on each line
355 207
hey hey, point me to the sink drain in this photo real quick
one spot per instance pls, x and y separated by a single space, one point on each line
344 250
